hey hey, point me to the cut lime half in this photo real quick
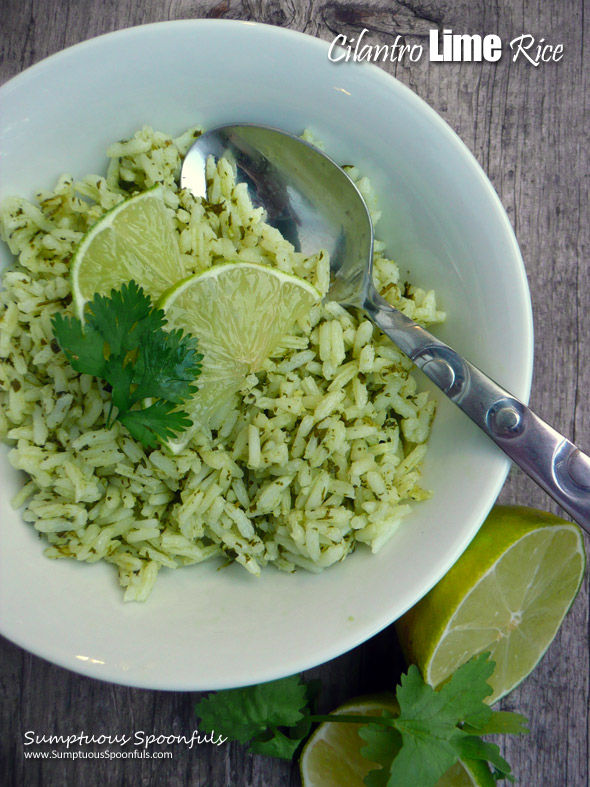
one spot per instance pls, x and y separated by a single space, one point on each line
507 594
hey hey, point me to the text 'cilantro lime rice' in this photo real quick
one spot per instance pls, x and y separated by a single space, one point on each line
319 450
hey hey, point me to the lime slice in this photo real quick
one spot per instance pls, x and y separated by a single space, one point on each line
134 240
239 311
332 756
508 594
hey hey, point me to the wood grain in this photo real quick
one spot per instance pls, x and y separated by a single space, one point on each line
528 127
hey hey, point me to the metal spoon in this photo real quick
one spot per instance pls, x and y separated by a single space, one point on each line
315 205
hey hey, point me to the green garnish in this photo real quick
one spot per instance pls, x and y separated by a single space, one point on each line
255 714
434 729
123 342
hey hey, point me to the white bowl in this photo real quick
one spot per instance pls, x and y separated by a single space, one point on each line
203 628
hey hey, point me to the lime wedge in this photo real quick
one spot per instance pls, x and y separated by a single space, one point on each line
239 312
508 594
134 240
332 756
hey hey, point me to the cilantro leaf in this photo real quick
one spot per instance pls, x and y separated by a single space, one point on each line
123 342
256 712
240 714
481 772
500 722
383 745
156 423
83 349
124 317
166 366
278 745
462 698
473 746
428 750
119 378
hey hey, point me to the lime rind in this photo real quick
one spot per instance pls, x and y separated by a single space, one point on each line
216 271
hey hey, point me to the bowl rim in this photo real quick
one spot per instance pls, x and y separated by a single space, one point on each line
18 81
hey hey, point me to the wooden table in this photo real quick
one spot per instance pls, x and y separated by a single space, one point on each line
528 127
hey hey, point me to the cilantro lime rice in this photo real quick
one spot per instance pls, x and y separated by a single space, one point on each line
319 451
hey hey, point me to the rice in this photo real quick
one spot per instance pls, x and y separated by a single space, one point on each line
319 452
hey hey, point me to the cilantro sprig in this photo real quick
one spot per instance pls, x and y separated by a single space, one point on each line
433 730
122 341
274 717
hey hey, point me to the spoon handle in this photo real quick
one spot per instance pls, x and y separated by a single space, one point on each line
555 463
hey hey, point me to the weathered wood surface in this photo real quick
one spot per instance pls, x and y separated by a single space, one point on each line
528 127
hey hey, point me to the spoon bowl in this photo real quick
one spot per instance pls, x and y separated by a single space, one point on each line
315 205
306 196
